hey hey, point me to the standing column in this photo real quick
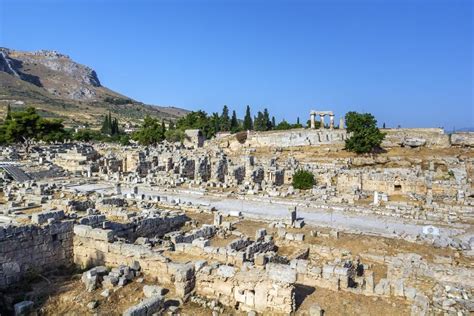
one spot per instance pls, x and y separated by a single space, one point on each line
312 120
321 120
341 123
331 121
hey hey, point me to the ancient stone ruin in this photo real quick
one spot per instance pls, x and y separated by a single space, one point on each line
216 227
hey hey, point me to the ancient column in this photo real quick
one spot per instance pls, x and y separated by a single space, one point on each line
341 123
321 119
312 116
331 121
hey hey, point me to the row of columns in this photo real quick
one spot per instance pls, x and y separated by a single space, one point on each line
321 119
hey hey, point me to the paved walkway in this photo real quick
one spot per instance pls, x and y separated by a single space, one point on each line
276 210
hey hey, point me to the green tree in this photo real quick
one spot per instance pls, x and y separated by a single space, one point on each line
283 125
175 135
266 120
106 125
365 135
27 124
234 123
215 123
163 127
197 120
225 120
262 121
248 123
303 180
150 133
9 113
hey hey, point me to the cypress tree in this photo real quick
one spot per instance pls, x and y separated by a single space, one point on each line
9 113
248 123
225 120
105 125
109 127
267 124
163 127
234 123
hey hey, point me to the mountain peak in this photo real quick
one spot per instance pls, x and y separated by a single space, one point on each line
60 87
53 71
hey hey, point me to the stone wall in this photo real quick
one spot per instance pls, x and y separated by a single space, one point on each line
408 137
34 249
94 246
250 290
296 137
463 139
429 137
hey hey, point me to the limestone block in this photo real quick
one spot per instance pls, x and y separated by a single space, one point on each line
316 310
23 308
201 243
226 271
298 237
281 273
290 236
198 265
341 271
223 287
414 142
410 293
397 287
260 259
383 287
181 271
41 218
146 307
153 290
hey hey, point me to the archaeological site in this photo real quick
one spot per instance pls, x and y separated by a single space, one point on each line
216 226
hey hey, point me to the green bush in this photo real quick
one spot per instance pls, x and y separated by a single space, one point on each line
303 180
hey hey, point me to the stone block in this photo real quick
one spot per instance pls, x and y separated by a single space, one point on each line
146 307
316 310
23 308
226 271
153 290
281 273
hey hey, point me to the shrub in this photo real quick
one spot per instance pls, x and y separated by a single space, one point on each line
303 180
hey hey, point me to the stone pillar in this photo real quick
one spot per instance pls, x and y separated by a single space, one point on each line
331 121
291 216
341 123
217 219
321 119
376 198
118 189
312 120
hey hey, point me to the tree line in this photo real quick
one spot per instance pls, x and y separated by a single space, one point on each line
19 126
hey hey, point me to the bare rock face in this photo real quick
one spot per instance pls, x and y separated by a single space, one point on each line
56 72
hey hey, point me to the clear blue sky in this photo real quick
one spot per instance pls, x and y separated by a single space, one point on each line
408 62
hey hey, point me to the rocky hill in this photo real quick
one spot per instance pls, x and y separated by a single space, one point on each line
60 87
